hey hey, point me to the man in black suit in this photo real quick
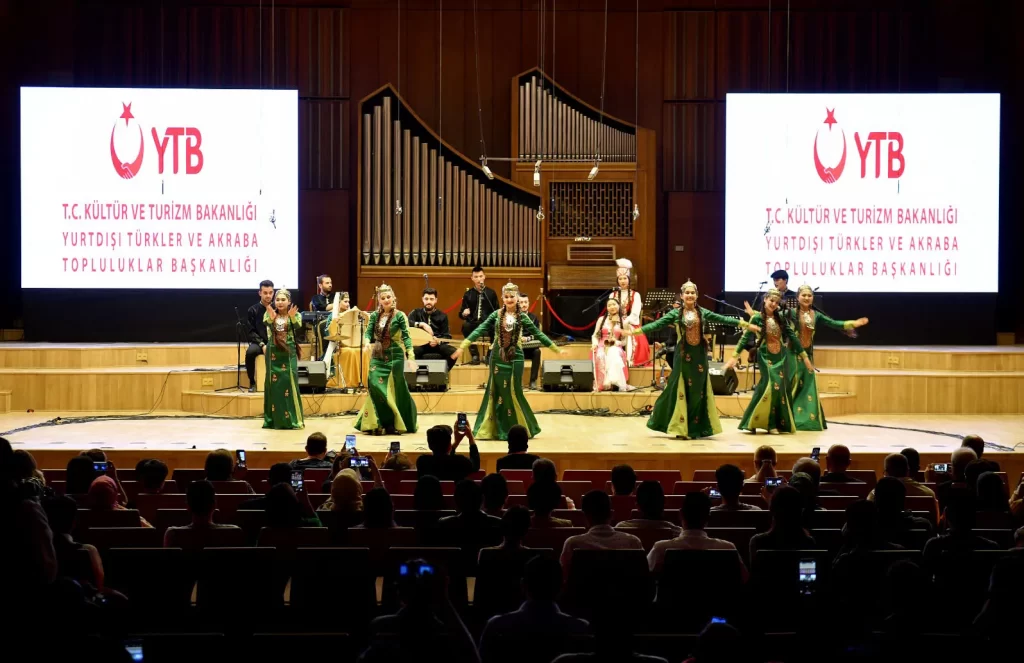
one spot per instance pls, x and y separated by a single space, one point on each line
435 322
257 331
533 354
518 445
478 303
322 301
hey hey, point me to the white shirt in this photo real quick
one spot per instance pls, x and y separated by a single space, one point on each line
690 539
598 537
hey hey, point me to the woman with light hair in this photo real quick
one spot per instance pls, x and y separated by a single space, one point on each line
282 404
389 407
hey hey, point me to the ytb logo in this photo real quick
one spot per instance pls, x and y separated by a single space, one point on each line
895 163
187 149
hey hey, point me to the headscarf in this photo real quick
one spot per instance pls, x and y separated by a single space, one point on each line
103 494
346 492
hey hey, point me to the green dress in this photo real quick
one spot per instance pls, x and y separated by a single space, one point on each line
282 404
504 404
770 407
390 405
806 405
686 408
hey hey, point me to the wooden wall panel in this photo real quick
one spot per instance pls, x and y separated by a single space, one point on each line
693 221
690 56
324 144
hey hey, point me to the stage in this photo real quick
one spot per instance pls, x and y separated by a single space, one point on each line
162 401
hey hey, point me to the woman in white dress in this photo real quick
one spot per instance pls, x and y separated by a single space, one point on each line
608 350
638 350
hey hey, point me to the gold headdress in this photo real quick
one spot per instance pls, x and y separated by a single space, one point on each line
688 284
384 287
805 287
509 287
344 295
773 292
283 291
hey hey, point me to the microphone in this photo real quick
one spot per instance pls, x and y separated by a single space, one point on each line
816 289
762 283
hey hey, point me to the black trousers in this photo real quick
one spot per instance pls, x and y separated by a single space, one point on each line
533 355
251 353
468 327
440 351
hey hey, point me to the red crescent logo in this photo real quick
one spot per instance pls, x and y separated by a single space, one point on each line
130 170
828 175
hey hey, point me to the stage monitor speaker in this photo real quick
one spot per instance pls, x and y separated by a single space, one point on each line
312 376
568 375
723 382
430 375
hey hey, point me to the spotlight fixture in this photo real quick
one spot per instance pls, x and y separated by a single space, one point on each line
540 212
536 173
636 211
593 172
487 171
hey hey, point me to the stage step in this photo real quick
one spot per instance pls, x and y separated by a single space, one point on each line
5 401
999 358
128 388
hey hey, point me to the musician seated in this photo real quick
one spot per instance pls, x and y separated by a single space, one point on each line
531 347
435 323
322 301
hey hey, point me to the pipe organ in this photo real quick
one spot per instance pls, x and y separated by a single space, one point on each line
423 204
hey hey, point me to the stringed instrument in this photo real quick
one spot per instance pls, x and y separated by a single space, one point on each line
421 336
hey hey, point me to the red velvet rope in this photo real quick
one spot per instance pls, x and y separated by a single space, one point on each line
567 325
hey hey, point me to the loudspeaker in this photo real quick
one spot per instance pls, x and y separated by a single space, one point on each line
430 375
723 383
312 376
568 375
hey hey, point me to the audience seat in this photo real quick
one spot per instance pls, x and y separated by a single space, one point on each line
963 579
409 487
184 476
289 538
575 516
189 540
228 504
148 505
622 506
251 522
829 539
392 478
105 538
858 490
683 487
157 581
445 560
553 538
608 580
836 502
58 486
119 518
520 500
420 519
406 502
319 574
759 520
498 579
671 516
379 541
823 519
738 536
596 478
1001 520
574 490
180 517
311 486
240 587
231 487
526 476
696 585
54 474
651 536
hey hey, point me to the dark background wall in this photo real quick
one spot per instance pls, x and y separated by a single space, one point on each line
691 53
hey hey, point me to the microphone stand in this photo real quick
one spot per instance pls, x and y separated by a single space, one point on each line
362 335
239 332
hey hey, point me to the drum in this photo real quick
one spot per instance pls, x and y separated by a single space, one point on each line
344 329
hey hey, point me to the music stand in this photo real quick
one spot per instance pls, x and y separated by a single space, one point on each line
240 326
658 299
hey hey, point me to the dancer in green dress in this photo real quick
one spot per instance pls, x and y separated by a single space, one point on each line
686 408
806 405
770 407
282 404
504 404
389 406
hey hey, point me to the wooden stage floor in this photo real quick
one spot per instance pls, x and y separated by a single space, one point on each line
576 441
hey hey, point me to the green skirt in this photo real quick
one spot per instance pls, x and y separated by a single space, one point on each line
282 404
686 408
769 407
504 404
389 405
806 404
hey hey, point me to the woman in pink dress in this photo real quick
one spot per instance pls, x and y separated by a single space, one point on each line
638 350
608 350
